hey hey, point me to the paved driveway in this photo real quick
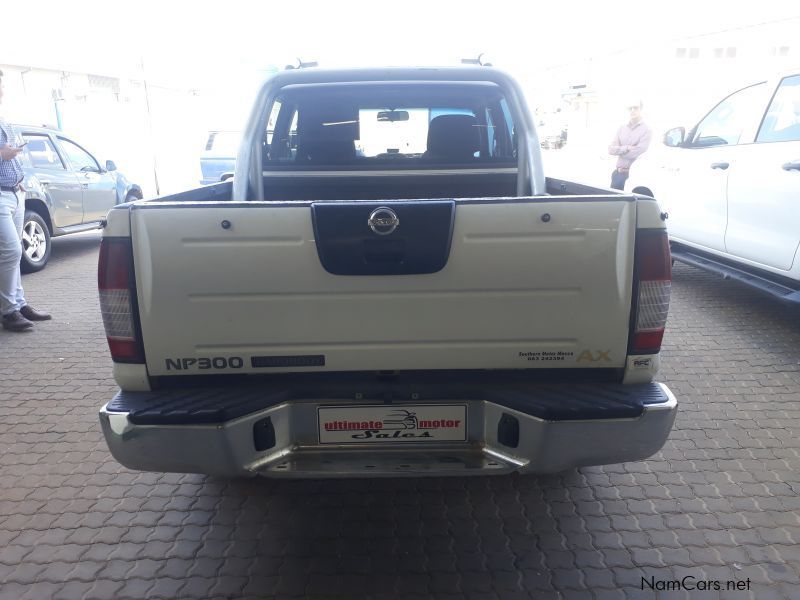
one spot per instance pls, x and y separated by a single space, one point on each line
720 503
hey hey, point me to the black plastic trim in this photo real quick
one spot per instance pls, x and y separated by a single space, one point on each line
563 187
306 360
508 431
263 434
420 244
782 288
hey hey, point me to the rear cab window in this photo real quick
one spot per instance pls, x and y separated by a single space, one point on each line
401 125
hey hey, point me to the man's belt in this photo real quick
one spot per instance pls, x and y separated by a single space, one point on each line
9 188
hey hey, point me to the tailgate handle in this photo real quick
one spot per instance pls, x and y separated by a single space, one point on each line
384 258
720 165
384 252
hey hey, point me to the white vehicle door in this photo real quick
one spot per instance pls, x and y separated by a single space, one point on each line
698 198
694 195
764 186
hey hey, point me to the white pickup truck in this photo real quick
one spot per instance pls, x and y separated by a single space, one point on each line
389 286
731 186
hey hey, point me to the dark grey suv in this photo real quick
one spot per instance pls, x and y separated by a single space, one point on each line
68 191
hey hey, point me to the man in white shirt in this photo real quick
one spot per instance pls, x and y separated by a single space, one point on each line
631 141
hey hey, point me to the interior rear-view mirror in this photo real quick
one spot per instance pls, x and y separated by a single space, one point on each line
393 115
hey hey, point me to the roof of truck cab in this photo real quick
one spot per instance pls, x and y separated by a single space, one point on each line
38 128
370 74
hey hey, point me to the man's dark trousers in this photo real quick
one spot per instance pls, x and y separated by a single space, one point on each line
618 179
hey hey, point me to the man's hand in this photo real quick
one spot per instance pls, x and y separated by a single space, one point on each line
9 153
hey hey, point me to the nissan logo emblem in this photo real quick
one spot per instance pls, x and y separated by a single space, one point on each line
383 220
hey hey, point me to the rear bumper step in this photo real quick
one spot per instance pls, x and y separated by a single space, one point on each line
548 401
549 429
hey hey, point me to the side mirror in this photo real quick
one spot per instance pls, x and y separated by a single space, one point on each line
675 137
111 165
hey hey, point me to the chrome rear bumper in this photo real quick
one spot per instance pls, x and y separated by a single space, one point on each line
543 446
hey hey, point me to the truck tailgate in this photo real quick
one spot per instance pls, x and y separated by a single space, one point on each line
523 283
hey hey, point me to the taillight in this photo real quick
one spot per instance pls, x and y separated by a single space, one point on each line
118 300
653 283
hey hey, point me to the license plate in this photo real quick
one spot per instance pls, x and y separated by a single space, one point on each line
400 423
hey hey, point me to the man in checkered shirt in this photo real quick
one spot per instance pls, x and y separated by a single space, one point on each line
17 315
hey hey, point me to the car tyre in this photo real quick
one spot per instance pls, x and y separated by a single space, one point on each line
35 243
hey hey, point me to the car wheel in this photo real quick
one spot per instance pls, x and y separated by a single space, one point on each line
35 243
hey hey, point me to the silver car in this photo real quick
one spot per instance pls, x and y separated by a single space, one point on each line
68 191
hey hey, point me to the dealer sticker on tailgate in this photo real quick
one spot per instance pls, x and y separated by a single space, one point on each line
392 423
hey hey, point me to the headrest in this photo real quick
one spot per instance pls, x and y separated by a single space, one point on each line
326 133
328 122
453 137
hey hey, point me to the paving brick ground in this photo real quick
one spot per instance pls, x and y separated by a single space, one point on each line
720 502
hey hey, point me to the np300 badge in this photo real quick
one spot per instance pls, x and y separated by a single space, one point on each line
383 220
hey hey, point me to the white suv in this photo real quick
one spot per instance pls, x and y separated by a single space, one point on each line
731 187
